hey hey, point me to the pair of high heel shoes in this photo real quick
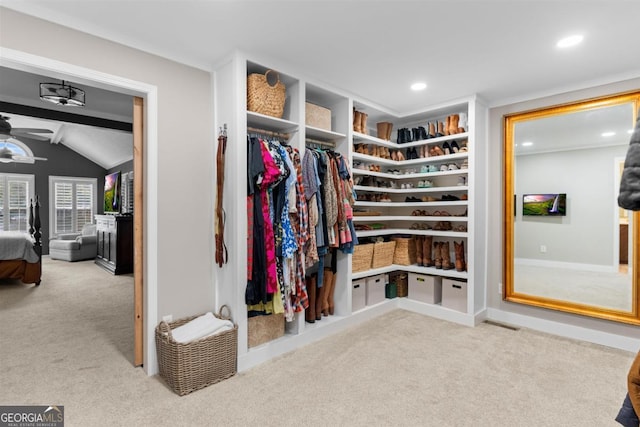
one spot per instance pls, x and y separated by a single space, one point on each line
452 148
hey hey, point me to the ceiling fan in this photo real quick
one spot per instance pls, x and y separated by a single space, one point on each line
7 132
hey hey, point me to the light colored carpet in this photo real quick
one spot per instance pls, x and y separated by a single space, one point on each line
69 342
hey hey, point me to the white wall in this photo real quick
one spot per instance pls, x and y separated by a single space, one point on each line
495 221
587 177
185 150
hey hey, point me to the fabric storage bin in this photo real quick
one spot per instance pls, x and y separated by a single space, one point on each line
390 290
317 116
425 288
190 366
454 294
358 294
262 329
375 288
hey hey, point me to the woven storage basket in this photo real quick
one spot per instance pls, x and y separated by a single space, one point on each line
383 253
263 97
262 329
401 279
362 257
405 253
188 367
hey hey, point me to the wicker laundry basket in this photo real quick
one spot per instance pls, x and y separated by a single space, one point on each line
362 257
187 367
383 254
405 253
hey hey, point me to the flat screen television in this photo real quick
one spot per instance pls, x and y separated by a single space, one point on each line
554 204
112 193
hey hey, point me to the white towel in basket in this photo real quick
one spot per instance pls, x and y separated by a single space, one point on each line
201 327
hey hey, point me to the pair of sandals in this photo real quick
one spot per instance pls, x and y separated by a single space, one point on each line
428 168
443 226
421 226
425 184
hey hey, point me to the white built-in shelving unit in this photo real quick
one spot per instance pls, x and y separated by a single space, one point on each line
230 280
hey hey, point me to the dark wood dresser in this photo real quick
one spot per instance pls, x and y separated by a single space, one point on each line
115 243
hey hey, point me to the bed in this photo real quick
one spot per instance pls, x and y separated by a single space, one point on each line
21 252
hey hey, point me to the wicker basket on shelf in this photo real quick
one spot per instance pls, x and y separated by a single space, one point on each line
190 366
362 257
264 97
383 254
401 279
405 251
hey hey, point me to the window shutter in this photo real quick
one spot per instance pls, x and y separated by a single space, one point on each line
84 205
64 207
18 193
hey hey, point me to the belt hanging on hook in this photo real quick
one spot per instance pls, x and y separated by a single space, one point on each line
222 256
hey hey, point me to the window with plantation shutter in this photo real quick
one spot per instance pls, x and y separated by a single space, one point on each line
16 190
73 203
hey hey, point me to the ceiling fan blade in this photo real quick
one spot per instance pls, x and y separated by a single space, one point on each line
29 136
31 130
26 159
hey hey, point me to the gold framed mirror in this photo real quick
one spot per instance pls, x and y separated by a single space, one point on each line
567 244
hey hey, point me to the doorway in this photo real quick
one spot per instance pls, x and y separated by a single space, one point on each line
145 153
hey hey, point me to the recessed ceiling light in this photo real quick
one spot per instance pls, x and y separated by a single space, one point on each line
630 131
570 41
606 134
527 144
419 86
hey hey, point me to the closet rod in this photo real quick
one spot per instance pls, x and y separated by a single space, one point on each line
267 132
329 144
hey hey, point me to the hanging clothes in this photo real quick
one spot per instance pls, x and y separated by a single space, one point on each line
629 197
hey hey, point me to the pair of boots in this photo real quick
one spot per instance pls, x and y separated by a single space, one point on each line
456 123
384 130
423 250
442 256
321 300
360 122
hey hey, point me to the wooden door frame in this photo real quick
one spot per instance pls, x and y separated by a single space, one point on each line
138 215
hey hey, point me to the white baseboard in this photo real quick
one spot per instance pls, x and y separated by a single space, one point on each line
568 265
564 330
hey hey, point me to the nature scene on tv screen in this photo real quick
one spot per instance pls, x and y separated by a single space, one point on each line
544 204
111 194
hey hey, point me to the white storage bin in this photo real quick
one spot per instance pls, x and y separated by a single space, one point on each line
358 294
375 288
454 294
425 288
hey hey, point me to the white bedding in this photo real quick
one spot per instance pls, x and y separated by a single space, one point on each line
17 245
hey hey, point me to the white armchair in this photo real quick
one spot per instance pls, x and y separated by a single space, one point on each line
74 247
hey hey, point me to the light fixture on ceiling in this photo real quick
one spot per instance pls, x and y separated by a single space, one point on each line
419 86
62 94
570 41
607 134
527 144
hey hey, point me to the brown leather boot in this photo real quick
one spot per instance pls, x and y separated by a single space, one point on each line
357 120
417 240
427 244
310 312
432 130
319 298
453 124
334 277
381 127
363 123
327 280
437 254
389 130
447 124
446 256
461 264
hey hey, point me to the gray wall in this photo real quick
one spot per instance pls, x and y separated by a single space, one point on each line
587 177
495 220
61 161
185 150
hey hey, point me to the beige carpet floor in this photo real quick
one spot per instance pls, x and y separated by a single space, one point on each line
69 342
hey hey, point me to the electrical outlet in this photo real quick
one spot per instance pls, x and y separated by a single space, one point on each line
543 249
168 318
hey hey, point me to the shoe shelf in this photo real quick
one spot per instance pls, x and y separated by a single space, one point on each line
390 175
411 269
261 121
322 134
430 232
411 190
412 204
379 218
400 163
362 138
